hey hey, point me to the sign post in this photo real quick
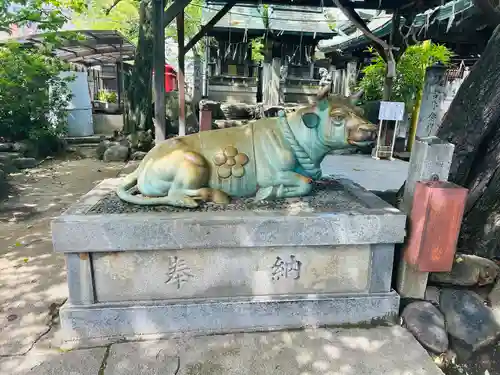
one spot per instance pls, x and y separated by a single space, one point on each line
389 111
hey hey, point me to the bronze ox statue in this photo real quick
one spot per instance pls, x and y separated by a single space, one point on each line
269 158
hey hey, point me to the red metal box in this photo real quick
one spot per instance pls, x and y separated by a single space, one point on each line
435 221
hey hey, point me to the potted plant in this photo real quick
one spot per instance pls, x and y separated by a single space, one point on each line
106 101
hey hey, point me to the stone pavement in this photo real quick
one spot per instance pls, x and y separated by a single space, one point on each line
33 286
32 276
378 175
382 350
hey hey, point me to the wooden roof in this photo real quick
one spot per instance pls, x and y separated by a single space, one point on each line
408 5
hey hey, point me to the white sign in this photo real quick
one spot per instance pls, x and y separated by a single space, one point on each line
391 111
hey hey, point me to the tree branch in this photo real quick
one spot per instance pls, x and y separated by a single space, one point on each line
380 45
490 12
115 3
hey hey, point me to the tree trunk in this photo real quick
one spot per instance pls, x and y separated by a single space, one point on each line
138 85
387 93
472 124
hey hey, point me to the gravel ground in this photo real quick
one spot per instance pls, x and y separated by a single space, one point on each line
484 362
327 196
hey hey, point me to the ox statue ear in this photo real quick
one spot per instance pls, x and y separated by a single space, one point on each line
354 98
311 120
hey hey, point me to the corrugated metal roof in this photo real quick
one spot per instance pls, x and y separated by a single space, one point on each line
239 17
96 47
299 19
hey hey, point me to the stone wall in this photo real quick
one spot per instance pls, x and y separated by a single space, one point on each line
233 89
107 123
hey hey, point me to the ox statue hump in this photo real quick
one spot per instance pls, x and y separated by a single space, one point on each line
269 158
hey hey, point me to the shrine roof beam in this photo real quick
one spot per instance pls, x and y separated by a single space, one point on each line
403 5
209 25
174 10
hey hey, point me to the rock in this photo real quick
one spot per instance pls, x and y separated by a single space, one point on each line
494 296
141 140
6 147
213 106
427 324
21 147
101 149
138 155
238 111
468 270
27 148
272 111
432 294
9 156
471 324
116 153
7 161
23 163
221 124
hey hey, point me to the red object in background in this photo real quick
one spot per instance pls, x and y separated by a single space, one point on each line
435 221
170 78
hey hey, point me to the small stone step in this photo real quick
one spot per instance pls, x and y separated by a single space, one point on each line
86 145
7 157
6 147
24 163
95 139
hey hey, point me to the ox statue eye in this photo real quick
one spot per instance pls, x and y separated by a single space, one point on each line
338 120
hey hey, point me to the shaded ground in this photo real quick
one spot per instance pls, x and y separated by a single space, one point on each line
32 276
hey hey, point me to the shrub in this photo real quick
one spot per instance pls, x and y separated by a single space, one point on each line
33 97
107 96
410 72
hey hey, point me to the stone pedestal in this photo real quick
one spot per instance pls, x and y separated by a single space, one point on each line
431 158
151 272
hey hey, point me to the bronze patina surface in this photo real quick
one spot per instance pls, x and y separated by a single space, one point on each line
272 158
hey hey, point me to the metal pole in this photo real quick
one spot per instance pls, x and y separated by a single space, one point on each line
378 139
393 140
119 72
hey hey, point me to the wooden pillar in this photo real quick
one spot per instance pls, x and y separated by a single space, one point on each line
205 119
271 81
180 74
206 75
159 70
350 77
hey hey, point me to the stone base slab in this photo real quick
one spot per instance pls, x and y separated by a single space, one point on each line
112 322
